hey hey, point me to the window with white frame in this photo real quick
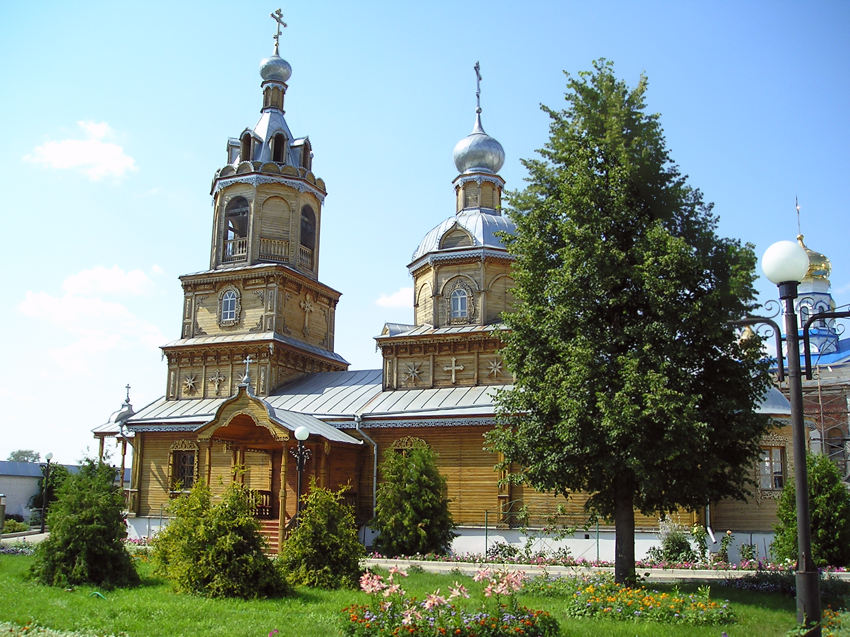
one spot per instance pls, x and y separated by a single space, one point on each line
229 307
460 304
772 468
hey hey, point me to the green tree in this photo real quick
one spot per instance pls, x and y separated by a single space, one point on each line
829 506
215 549
630 383
87 532
48 491
24 455
323 550
412 512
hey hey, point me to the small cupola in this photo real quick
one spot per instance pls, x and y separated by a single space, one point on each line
275 71
478 158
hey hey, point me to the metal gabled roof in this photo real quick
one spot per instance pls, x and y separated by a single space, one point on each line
251 337
329 393
442 401
428 329
184 410
292 420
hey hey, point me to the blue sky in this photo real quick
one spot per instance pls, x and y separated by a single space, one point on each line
115 119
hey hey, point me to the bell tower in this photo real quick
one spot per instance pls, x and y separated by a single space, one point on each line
261 297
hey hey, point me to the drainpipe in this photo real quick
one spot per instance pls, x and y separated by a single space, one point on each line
357 420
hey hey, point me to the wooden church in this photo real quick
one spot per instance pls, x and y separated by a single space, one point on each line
255 359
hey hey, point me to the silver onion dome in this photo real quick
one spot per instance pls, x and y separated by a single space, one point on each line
275 68
478 151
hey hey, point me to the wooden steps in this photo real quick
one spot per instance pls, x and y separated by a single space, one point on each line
269 529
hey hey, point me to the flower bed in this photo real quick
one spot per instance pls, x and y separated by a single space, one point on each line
392 612
541 560
599 596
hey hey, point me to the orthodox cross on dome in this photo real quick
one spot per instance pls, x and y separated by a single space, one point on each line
454 368
277 16
477 68
247 377
127 387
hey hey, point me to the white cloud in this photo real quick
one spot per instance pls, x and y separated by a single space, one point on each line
94 156
403 297
88 327
112 281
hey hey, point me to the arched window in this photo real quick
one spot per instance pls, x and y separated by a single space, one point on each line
460 305
245 149
278 144
308 227
236 229
228 306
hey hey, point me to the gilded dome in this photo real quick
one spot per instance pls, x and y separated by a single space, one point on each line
275 68
820 266
478 151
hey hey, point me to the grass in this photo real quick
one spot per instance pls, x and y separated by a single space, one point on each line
153 609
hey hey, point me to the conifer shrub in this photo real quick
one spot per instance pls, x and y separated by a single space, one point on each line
412 512
87 532
829 507
323 549
215 549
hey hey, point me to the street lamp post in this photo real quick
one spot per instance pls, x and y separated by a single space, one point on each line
785 263
45 481
301 454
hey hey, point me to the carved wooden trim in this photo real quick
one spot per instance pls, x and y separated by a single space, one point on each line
773 440
408 442
238 307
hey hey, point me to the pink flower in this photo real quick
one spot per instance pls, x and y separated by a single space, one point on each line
391 590
435 599
483 574
408 615
458 590
371 583
394 570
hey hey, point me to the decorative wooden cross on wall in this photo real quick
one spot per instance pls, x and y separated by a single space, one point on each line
453 368
217 379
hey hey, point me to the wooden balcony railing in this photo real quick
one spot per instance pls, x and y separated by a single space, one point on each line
305 257
235 249
274 250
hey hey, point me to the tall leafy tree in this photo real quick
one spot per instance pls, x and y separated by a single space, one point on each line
631 385
24 455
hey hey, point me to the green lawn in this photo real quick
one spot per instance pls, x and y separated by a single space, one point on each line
153 609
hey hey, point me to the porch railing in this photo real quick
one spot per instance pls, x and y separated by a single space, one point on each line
261 504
